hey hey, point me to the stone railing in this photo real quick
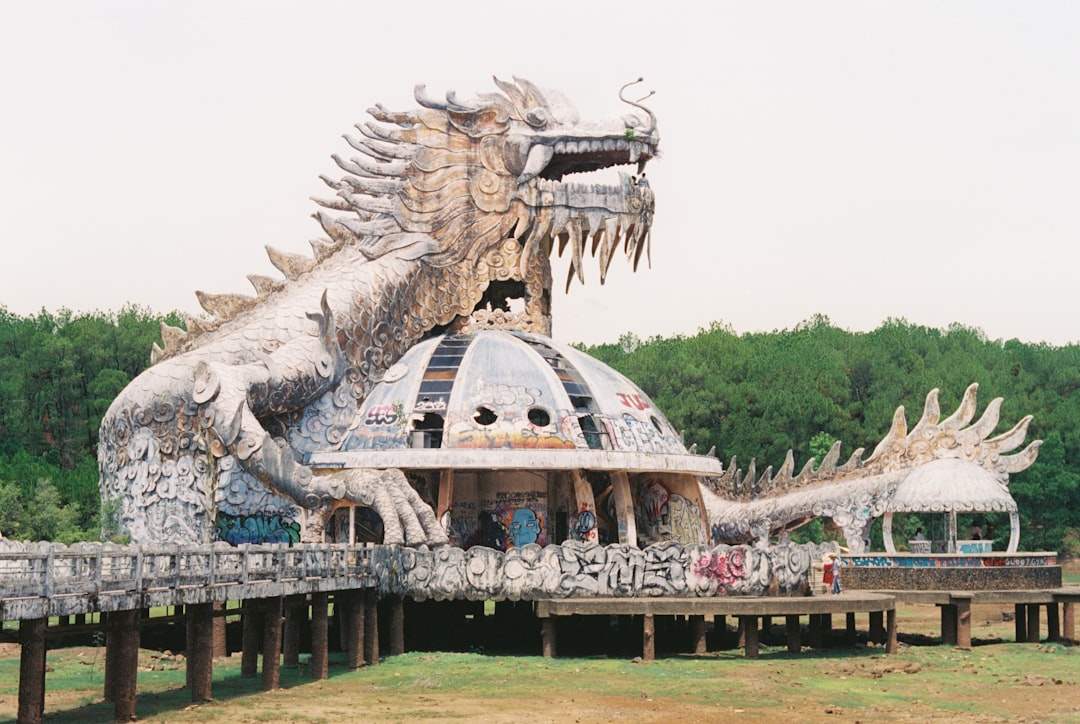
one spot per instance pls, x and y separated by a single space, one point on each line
88 577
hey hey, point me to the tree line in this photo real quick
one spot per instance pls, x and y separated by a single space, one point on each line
752 395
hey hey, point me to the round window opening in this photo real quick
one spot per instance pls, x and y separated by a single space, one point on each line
656 424
539 417
485 416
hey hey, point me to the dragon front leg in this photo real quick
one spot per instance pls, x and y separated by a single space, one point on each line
233 398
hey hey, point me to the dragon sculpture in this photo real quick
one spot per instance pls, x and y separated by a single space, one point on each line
444 221
743 508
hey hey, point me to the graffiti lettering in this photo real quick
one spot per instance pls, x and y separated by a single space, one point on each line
259 528
436 405
382 415
636 401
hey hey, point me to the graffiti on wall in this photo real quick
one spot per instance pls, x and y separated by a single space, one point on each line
580 569
583 526
383 428
663 515
257 528
511 519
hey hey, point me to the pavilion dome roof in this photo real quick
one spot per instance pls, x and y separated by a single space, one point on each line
951 484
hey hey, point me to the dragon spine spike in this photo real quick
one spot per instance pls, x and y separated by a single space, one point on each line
195 325
1010 440
783 475
291 265
853 463
332 204
931 413
323 249
371 186
1021 460
338 232
156 353
263 285
712 452
225 306
751 473
965 412
807 473
379 133
828 465
171 336
373 204
765 481
897 436
989 420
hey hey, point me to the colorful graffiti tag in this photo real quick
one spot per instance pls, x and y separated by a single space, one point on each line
257 528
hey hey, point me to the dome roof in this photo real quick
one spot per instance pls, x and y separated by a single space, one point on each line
951 484
491 393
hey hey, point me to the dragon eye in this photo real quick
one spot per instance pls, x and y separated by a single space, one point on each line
536 117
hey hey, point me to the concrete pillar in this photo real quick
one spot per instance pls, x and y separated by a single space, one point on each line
963 623
32 670
1033 623
127 662
948 623
791 623
648 638
877 627
271 648
891 645
624 508
826 627
1053 622
295 612
740 632
200 654
766 627
371 625
320 644
221 646
547 638
849 629
750 629
355 608
1068 620
697 634
1020 622
252 622
397 625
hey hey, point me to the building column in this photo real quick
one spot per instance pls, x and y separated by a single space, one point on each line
850 633
963 623
948 623
221 646
32 670
877 627
396 607
624 508
355 623
1053 622
891 644
1068 620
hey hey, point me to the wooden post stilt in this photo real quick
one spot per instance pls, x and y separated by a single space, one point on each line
849 629
891 644
112 641
1053 622
547 638
791 623
963 623
320 626
1033 623
397 626
750 630
1020 622
271 649
355 627
816 631
252 638
877 627
295 611
648 638
221 646
370 598
200 655
697 634
32 670
1068 620
948 623
127 664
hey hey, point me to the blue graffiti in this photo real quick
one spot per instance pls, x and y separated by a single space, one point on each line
258 528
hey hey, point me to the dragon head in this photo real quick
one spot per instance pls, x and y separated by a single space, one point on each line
455 181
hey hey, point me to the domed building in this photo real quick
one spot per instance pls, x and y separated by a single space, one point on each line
513 438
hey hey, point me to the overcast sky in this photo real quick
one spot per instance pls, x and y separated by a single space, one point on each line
861 160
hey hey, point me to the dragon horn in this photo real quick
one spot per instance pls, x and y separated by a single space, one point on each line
637 104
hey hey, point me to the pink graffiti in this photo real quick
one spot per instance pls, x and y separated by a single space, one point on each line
635 401
724 569
381 415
